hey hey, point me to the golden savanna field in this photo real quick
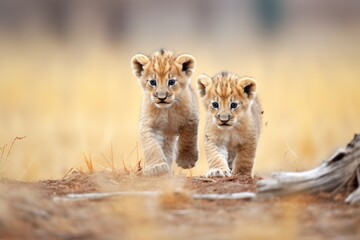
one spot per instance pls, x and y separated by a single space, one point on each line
70 104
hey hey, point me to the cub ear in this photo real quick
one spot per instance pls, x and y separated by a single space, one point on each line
138 62
249 86
203 81
187 63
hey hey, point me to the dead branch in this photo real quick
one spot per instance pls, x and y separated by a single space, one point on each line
337 171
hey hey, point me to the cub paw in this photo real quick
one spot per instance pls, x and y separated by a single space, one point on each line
243 173
243 170
187 160
156 170
218 172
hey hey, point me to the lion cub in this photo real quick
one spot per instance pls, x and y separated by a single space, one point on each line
232 125
169 114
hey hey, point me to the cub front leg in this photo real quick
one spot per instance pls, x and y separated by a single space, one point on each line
154 159
217 160
169 148
245 157
188 152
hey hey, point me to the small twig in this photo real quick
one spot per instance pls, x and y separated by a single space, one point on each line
218 179
203 179
226 196
99 196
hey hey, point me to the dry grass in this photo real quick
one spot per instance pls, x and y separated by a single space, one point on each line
9 151
126 167
89 164
7 158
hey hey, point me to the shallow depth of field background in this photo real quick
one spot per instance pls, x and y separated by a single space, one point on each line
66 82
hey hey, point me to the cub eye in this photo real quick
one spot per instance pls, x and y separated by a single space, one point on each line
171 82
152 82
233 105
215 105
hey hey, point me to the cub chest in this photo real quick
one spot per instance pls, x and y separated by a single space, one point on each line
169 122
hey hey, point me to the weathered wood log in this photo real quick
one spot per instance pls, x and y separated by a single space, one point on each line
335 174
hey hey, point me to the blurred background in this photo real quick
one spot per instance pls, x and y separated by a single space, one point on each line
66 82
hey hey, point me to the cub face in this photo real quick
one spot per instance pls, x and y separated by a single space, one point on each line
227 97
163 76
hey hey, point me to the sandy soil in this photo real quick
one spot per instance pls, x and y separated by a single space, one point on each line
36 211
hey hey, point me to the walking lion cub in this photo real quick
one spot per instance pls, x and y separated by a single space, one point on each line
169 113
233 123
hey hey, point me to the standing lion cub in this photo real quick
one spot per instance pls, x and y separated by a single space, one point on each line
233 123
169 113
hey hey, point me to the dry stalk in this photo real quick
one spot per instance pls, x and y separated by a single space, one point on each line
89 163
2 152
67 174
12 144
126 169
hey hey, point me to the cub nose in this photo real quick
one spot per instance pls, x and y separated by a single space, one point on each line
224 117
161 95
161 99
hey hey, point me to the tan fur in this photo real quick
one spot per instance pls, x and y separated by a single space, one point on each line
168 129
230 148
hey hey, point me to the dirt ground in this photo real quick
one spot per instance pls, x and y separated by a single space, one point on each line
35 210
